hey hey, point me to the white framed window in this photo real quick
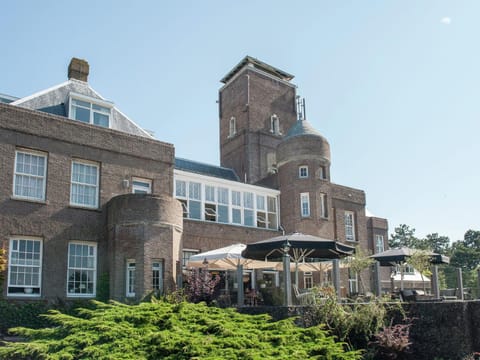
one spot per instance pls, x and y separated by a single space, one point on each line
210 203
141 186
25 266
271 278
272 212
181 195
90 111
29 181
322 172
305 204
274 124
195 200
157 276
352 282
186 254
82 269
248 209
223 201
407 269
379 244
308 280
303 172
130 278
261 213
349 226
232 129
236 207
84 184
323 206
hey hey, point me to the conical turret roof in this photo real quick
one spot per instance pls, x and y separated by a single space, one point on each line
302 127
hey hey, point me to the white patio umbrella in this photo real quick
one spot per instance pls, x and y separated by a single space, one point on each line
229 258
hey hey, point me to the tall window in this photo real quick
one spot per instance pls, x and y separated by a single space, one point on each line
222 205
322 172
248 208
308 279
194 200
261 214
274 124
89 113
236 207
25 266
232 130
30 170
349 226
181 195
141 186
305 204
210 203
323 205
303 172
352 282
157 276
272 212
84 186
130 277
82 269
379 244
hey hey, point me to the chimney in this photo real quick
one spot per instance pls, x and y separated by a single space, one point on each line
78 69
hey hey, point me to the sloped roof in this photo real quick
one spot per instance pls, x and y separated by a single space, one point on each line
205 169
259 65
302 127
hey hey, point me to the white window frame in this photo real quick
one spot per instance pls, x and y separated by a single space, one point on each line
304 205
130 275
322 172
157 275
92 102
189 253
352 282
323 206
232 127
96 185
303 172
32 289
308 280
30 176
275 125
72 268
379 243
349 219
141 186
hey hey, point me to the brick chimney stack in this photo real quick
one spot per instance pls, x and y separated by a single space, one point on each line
78 69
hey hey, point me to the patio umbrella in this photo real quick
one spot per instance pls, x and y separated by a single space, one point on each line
297 247
229 258
401 255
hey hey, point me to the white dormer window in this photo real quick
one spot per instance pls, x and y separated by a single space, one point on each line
233 127
274 125
89 110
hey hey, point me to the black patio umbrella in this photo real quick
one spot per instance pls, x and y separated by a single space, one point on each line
299 247
400 255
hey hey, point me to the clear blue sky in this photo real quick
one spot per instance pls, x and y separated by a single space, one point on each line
393 85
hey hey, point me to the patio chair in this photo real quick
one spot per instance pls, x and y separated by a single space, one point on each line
304 298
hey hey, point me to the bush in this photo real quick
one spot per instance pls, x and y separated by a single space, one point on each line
172 331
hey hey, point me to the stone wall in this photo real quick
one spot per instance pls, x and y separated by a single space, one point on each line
447 330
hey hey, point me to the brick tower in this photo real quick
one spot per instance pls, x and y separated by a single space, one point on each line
257 107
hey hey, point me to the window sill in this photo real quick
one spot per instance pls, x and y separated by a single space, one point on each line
41 202
351 240
19 295
82 296
79 207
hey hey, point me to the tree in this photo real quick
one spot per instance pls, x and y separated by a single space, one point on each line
466 252
404 236
360 262
436 243
420 260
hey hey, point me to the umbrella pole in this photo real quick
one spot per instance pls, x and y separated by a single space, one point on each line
240 285
402 266
435 285
378 285
286 279
336 277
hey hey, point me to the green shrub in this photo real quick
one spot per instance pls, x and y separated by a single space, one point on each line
172 331
22 314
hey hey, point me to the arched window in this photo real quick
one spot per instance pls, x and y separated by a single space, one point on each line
233 127
274 124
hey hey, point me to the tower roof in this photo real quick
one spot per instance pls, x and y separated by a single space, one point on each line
248 60
302 127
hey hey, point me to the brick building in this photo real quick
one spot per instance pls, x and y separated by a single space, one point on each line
91 199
